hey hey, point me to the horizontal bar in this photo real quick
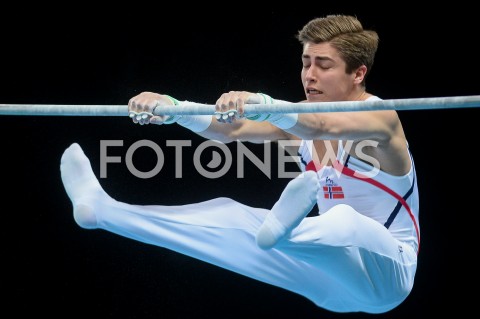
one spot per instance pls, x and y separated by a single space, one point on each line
191 108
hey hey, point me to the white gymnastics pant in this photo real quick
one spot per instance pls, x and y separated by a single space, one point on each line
340 260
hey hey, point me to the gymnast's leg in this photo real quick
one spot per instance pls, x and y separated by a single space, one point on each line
294 204
312 260
219 231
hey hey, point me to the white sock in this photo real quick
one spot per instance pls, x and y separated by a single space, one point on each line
294 204
81 185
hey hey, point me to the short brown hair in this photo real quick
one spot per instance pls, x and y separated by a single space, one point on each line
346 34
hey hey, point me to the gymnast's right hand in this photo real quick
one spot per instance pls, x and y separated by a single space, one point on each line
142 106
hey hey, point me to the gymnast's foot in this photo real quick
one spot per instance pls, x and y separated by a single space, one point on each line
81 185
294 204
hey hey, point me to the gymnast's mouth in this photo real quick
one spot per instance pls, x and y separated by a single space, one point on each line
313 91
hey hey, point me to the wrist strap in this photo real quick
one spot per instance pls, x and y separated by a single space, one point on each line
172 118
283 121
195 123
174 101
267 99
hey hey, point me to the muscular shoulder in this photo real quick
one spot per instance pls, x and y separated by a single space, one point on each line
390 149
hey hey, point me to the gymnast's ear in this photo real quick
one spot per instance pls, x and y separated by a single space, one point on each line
360 74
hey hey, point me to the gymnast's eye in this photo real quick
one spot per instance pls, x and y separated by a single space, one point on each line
325 65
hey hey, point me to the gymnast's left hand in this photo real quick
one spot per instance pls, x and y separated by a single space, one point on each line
230 106
142 106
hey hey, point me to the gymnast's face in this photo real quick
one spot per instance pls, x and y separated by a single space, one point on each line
323 74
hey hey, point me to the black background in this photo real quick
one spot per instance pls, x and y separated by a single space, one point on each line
84 55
